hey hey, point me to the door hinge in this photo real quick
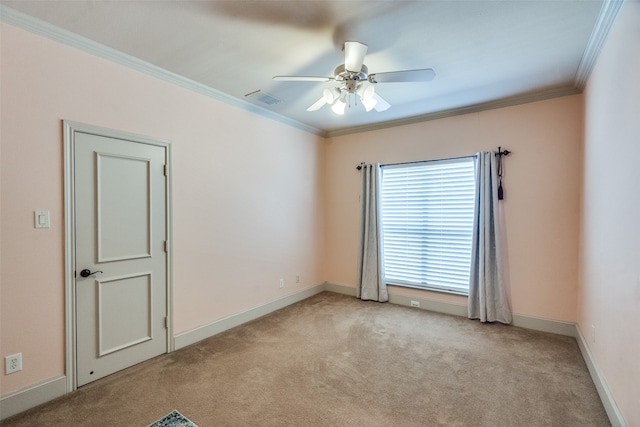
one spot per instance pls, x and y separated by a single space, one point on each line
166 170
166 322
166 246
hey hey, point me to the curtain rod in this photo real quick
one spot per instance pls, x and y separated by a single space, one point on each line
500 152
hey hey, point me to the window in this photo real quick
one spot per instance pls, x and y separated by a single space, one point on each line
427 223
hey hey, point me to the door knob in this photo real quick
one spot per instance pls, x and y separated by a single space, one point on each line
86 272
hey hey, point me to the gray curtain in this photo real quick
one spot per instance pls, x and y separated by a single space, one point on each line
370 283
487 294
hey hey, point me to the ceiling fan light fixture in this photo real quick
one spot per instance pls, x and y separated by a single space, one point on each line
330 95
369 104
366 91
339 107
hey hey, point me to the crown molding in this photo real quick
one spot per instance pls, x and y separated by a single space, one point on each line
490 105
51 32
607 15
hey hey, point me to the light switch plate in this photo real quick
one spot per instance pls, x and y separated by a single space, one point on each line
41 219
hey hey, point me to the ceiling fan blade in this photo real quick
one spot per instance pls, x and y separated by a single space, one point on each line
381 105
354 53
302 78
317 105
423 75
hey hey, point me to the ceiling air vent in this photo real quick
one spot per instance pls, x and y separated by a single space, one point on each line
263 97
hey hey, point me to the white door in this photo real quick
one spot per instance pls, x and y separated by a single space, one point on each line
120 233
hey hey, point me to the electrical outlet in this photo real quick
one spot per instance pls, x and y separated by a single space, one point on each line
282 283
13 363
298 278
415 303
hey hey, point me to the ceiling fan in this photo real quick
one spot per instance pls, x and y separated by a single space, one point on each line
356 82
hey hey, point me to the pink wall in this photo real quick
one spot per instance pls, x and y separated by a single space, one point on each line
246 206
542 187
609 297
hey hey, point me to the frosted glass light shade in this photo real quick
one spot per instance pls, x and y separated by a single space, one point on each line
366 91
330 95
339 107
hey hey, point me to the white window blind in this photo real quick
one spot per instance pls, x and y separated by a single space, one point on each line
427 223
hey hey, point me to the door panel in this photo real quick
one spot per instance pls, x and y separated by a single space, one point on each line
132 323
123 210
120 218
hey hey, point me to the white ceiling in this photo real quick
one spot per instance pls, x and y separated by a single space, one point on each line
484 53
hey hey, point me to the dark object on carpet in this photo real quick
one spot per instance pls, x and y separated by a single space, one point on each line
173 419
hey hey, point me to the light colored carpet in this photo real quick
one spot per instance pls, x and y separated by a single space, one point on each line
333 360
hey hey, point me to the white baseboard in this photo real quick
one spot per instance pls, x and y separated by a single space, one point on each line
430 305
519 320
198 334
31 397
425 304
558 327
340 289
437 306
614 414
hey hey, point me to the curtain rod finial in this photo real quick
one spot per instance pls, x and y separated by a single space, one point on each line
502 152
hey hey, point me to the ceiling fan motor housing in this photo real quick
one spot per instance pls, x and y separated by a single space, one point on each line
342 73
350 78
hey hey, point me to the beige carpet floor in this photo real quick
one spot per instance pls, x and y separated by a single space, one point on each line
333 360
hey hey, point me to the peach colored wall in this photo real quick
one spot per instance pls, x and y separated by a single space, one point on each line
247 194
609 297
541 189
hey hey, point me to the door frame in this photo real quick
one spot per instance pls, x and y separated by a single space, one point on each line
69 130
